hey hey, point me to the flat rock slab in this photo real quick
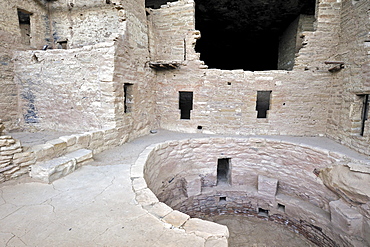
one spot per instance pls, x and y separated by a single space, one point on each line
54 169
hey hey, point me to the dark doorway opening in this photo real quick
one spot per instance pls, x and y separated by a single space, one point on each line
24 18
128 97
185 104
263 103
223 171
244 34
365 113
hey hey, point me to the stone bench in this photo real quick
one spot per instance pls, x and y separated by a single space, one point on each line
56 168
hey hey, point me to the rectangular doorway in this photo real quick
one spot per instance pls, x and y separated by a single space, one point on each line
223 171
24 19
185 104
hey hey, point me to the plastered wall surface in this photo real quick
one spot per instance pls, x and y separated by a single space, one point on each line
67 89
10 40
87 23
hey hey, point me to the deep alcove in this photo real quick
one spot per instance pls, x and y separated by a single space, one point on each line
156 4
244 34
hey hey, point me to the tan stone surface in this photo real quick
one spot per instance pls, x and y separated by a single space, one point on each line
176 218
354 185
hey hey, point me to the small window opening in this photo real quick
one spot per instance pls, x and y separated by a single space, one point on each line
62 44
281 207
365 113
128 95
24 18
222 199
263 103
185 104
229 83
223 171
263 212
199 127
156 4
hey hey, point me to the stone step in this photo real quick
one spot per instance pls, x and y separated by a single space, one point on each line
51 170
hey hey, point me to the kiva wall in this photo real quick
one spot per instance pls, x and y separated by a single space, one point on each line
308 187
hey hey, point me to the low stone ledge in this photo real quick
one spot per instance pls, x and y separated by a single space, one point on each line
176 218
146 197
158 209
51 170
56 168
81 156
139 184
206 229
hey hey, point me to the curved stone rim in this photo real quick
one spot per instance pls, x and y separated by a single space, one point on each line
210 231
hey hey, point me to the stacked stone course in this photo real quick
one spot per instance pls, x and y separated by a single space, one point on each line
172 170
13 161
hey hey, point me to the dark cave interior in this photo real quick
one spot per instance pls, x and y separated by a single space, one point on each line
243 34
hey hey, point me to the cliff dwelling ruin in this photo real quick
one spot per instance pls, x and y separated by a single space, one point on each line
185 123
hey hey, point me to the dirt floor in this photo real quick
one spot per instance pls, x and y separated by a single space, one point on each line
252 232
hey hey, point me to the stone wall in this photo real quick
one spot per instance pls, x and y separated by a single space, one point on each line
225 101
10 40
344 122
170 29
132 68
66 90
16 160
13 161
87 22
290 180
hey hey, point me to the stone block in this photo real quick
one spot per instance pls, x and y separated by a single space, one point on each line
139 184
176 218
60 146
159 209
42 151
267 186
81 156
216 242
205 229
70 140
52 170
346 219
146 197
24 156
193 186
83 140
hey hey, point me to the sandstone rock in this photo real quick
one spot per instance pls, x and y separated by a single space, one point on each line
267 186
2 127
353 185
176 218
159 209
346 219
206 229
52 170
193 186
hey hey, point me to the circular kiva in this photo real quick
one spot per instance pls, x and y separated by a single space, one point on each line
321 194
